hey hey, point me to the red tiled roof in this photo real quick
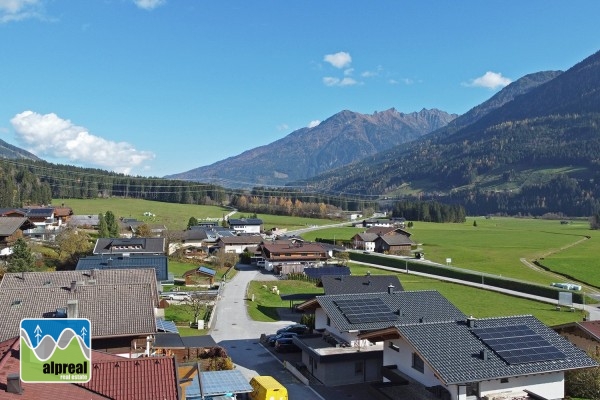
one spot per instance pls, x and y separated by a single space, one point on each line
134 379
9 364
592 327
113 377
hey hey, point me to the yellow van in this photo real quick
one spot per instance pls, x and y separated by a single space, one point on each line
267 388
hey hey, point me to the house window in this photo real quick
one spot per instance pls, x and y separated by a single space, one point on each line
504 380
358 368
394 347
417 363
328 321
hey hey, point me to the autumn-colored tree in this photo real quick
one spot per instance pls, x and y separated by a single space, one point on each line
73 244
143 231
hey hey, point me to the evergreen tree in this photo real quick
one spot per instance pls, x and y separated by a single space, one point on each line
21 259
112 224
193 221
102 227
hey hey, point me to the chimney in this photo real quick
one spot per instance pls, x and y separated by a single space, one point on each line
391 289
72 309
421 320
368 273
23 275
484 354
471 321
73 286
93 273
13 384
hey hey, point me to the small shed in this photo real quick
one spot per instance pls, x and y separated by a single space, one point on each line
200 276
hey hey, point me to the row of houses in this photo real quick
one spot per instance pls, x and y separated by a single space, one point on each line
368 329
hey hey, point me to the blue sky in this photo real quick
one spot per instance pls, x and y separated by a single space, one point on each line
156 87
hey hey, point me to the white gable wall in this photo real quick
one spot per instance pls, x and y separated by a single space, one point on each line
403 360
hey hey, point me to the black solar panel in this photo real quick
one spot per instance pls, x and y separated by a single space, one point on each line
518 344
360 310
318 272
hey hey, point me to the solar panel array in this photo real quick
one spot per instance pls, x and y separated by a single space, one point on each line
518 344
318 272
361 310
166 326
214 383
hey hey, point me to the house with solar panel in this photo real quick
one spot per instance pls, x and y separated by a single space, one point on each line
338 355
138 245
468 358
126 261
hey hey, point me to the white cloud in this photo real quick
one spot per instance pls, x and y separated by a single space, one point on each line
314 123
283 127
17 10
349 71
332 81
338 60
490 80
149 4
50 135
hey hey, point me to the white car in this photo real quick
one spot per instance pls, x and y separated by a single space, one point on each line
178 296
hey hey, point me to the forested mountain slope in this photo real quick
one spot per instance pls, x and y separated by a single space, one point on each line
340 140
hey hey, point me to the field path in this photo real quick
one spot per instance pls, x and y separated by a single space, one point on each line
589 290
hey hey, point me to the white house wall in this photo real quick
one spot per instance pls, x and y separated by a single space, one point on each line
403 360
550 386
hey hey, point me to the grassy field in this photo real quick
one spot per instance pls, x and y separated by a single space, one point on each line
173 216
471 301
176 216
497 245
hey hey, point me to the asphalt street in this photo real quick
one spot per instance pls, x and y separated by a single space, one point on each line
240 336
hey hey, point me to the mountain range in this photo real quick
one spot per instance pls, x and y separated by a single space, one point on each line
547 125
342 139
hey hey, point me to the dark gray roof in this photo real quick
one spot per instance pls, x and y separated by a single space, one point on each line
129 245
245 221
117 302
134 261
83 220
453 351
176 341
413 307
360 284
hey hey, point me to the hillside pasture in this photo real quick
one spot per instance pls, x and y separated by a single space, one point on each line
173 216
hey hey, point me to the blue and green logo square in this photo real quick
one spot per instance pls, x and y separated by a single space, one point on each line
55 350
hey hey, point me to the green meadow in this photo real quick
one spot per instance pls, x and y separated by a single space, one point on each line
176 216
497 245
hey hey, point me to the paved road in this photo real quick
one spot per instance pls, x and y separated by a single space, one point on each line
239 335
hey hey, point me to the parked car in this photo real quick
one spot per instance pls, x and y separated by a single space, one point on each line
299 329
286 345
178 296
273 338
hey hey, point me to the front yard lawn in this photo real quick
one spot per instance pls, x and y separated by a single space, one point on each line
265 304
